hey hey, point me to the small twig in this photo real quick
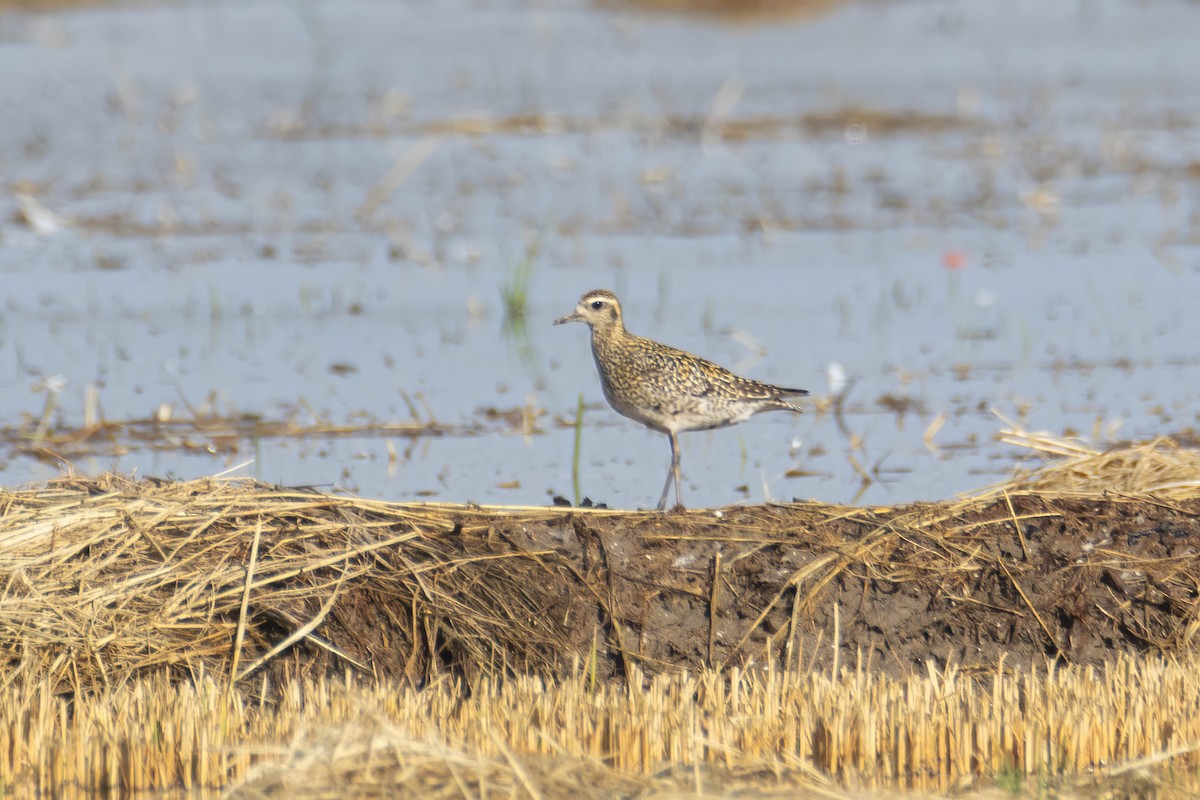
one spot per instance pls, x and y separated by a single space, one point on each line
797 578
1154 501
837 640
517 767
241 626
862 473
790 649
578 447
983 523
714 597
1154 758
412 408
299 633
959 598
405 165
1017 526
1036 615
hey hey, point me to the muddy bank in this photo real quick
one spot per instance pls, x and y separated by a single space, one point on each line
110 579
1081 579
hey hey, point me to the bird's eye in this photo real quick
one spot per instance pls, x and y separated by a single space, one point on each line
597 304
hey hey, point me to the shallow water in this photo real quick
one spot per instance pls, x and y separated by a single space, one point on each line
308 211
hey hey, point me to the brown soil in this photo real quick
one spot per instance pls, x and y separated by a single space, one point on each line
1081 581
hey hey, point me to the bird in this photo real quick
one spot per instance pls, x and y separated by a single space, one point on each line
666 389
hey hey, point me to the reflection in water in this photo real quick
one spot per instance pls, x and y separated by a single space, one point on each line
516 300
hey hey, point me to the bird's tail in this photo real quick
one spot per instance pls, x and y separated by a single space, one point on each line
783 405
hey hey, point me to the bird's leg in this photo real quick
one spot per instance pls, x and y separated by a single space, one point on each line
675 470
662 501
672 475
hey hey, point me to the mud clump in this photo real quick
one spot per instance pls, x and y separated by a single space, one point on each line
1080 580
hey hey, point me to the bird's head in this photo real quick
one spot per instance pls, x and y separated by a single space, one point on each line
599 308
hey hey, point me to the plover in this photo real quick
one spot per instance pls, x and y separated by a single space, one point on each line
666 389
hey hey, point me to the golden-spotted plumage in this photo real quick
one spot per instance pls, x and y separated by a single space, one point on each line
664 388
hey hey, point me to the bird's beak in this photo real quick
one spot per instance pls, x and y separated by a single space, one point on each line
572 317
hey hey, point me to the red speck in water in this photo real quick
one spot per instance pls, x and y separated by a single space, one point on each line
954 259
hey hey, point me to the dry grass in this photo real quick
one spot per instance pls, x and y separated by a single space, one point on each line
109 579
676 733
1160 467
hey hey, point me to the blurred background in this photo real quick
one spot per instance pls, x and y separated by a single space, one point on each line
322 242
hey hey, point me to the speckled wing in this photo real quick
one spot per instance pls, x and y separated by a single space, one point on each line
704 379
694 381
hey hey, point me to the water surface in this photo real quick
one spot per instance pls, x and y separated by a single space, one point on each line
308 213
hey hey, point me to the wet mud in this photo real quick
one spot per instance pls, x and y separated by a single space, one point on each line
1076 580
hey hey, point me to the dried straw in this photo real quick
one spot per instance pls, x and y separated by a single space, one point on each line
104 580
740 733
1160 467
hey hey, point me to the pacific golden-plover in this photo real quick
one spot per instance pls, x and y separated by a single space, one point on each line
666 389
